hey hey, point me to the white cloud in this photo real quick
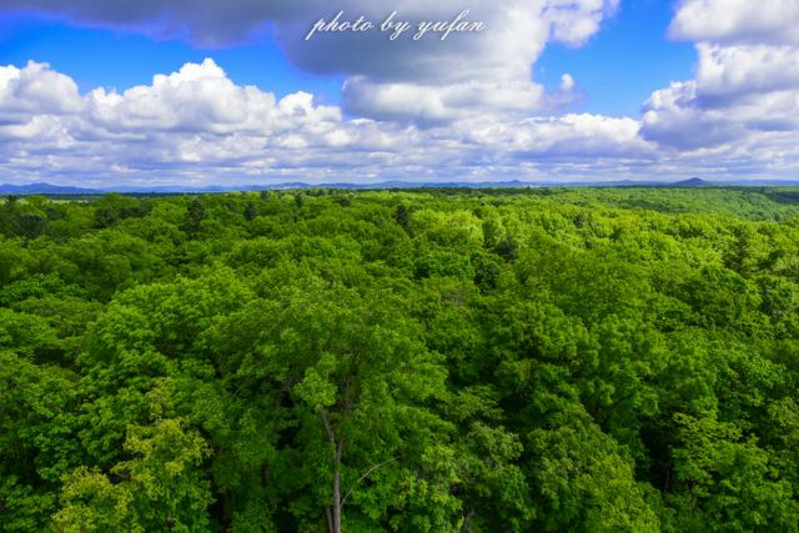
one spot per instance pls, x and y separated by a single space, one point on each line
674 117
36 89
734 70
590 140
201 98
574 22
434 81
430 104
567 82
737 21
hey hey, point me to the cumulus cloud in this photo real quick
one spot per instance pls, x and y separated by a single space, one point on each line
674 117
36 89
194 115
737 21
735 70
201 98
433 81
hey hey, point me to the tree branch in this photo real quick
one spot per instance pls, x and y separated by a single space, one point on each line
365 475
328 429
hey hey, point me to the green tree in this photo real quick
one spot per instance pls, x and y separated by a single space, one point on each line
195 215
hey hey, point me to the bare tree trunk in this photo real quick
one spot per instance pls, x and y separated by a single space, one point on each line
337 444
334 511
337 489
467 523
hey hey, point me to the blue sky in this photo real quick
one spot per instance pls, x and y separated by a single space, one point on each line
554 90
625 62
117 58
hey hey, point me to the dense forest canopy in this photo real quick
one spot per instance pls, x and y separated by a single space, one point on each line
430 360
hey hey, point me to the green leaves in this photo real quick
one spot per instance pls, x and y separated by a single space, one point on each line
730 483
316 388
437 360
23 333
585 482
161 487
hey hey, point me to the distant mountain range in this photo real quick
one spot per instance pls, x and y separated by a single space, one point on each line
43 188
50 189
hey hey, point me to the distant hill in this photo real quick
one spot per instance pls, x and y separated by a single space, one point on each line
693 182
43 188
50 189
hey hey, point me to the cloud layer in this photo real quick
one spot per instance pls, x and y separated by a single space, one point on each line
197 124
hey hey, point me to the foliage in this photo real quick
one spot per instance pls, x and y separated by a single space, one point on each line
431 360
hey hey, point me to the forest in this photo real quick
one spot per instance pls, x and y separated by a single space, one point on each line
428 360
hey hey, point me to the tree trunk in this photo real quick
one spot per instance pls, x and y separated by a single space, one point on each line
336 508
336 526
334 511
